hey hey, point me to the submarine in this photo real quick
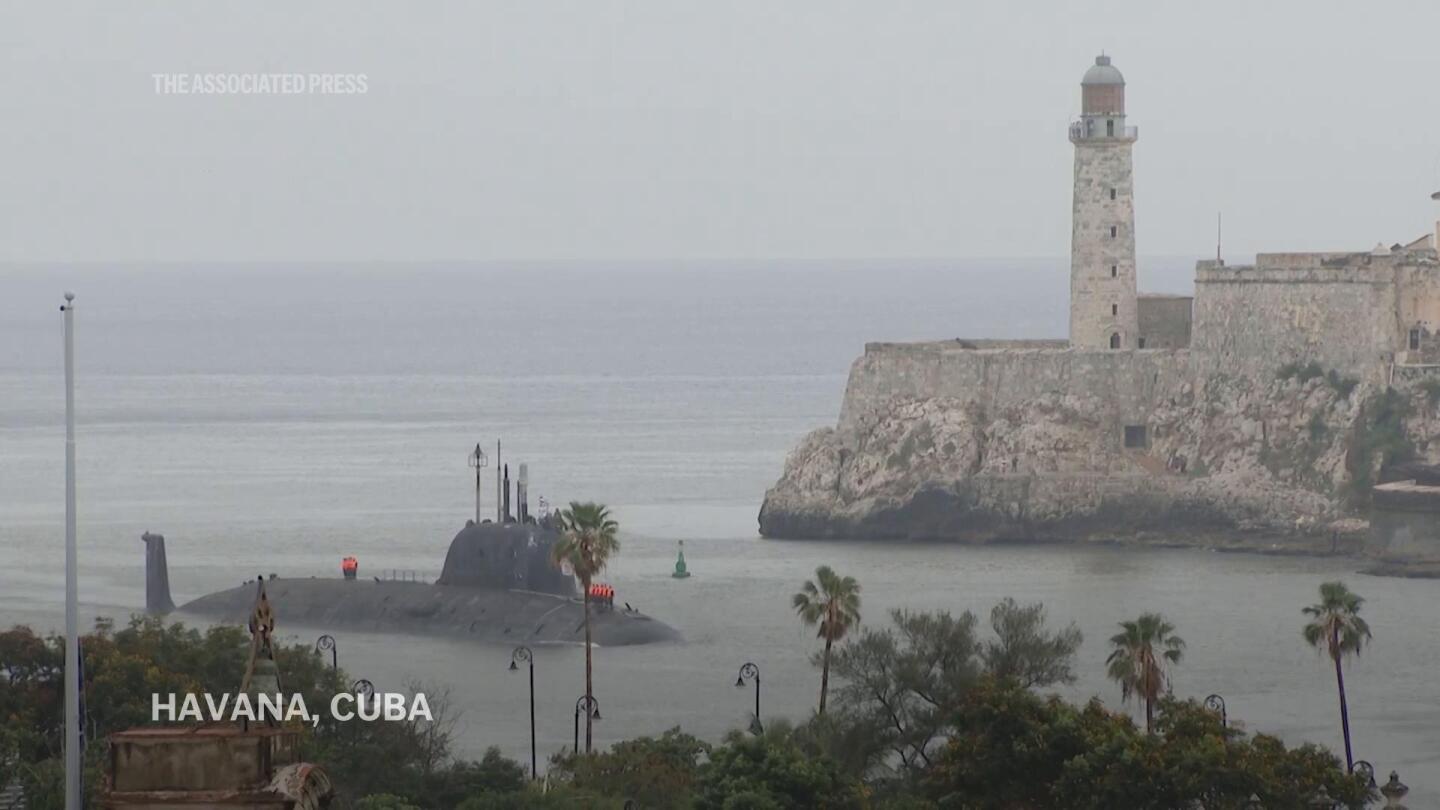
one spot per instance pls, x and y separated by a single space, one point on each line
498 585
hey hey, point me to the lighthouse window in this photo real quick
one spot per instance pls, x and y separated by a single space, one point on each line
1113 231
1114 309
1114 270
1110 128
1414 339
1115 341
1112 193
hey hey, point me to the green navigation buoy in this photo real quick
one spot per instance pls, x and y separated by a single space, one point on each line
680 572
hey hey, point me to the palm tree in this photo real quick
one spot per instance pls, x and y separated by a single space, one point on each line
833 602
1336 628
1138 659
587 542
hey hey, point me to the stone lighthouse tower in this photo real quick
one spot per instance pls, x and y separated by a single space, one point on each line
1102 229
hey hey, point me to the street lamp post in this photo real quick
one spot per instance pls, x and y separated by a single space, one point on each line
72 629
327 642
750 672
1365 770
364 690
1216 704
523 654
478 462
589 704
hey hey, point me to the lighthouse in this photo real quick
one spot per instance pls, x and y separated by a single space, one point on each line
1102 228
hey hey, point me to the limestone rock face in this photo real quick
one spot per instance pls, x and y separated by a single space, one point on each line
1220 457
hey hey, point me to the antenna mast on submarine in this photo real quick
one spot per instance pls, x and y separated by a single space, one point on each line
499 489
522 495
478 461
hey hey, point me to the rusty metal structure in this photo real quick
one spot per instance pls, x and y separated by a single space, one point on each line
212 766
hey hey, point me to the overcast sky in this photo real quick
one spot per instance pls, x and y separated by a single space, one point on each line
613 130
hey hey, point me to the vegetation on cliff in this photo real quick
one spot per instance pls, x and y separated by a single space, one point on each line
1379 439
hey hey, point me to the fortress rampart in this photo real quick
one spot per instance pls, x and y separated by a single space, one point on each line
1129 383
1350 312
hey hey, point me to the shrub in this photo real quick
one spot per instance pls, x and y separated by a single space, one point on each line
1379 435
1431 387
1303 372
1342 385
384 801
656 772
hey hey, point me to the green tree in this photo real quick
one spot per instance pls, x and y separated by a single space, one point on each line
384 801
587 543
492 775
1015 749
900 686
1336 628
904 682
832 602
1025 651
1138 660
555 798
656 772
772 771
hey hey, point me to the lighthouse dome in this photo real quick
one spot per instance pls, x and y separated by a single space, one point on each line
1102 72
1102 91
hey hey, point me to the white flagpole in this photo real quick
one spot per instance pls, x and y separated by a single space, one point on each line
72 634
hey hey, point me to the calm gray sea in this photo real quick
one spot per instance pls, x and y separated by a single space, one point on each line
278 418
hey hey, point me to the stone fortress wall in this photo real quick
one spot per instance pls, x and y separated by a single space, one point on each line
1164 321
1130 384
1350 312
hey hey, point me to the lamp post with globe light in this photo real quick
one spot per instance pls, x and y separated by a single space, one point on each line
750 672
586 703
1216 704
523 653
327 642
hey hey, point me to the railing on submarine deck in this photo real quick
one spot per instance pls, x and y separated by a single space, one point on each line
408 575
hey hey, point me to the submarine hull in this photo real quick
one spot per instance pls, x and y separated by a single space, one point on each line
450 611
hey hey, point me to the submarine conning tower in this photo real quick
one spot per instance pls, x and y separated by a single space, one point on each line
506 556
157 576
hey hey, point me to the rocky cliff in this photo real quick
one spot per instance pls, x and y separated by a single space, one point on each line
942 442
